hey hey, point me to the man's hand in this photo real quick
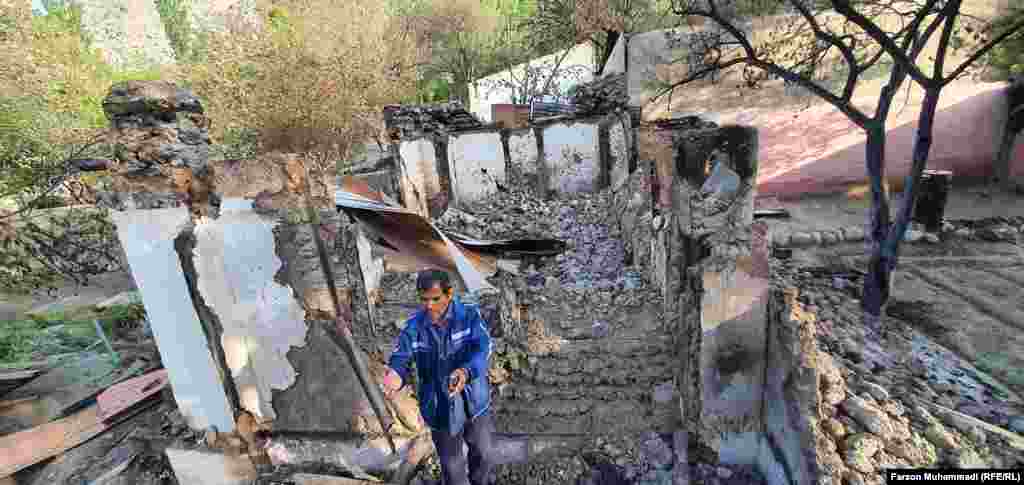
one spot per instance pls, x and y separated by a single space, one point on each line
457 381
392 382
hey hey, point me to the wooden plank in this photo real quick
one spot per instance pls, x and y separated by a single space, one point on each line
23 449
123 395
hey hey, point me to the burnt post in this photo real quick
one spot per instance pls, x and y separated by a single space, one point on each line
931 202
717 285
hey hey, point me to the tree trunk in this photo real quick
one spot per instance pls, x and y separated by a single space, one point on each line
885 241
877 283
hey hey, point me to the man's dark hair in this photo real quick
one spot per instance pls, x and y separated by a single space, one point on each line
428 278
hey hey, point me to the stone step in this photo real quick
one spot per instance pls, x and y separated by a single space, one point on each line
527 392
582 416
610 347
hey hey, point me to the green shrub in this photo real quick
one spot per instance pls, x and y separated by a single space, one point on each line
188 44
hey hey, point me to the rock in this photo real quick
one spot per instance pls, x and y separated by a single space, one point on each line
801 239
781 240
833 387
656 451
724 473
916 450
873 419
967 458
830 238
853 234
1016 424
197 467
894 408
858 450
963 233
876 391
851 477
940 437
664 393
931 238
961 424
835 428
998 234
913 236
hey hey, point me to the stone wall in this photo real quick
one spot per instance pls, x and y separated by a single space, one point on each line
563 155
787 452
228 247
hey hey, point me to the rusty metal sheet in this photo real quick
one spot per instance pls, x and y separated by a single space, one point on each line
126 394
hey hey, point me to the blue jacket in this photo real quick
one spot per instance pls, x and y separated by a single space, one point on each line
464 343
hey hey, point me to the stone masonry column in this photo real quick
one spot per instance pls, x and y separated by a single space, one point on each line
161 183
226 261
717 282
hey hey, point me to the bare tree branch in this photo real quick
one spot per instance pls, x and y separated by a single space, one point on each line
981 51
879 36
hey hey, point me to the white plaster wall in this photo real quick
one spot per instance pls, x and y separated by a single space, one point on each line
373 267
419 179
147 237
262 320
476 164
522 151
483 92
571 157
619 153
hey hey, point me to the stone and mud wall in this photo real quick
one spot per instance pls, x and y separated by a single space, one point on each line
228 270
466 167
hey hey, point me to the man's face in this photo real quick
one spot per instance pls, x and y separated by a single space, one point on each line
435 301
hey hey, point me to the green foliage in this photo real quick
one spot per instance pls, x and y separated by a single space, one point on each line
188 45
17 340
279 19
1007 58
63 332
236 143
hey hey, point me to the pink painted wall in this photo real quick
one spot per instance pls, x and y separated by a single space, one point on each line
820 151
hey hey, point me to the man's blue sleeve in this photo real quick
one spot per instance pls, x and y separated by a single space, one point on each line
401 354
480 344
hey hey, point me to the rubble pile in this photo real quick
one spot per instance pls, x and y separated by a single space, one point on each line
595 258
415 120
601 95
884 403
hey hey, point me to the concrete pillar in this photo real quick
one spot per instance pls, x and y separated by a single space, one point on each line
229 271
717 282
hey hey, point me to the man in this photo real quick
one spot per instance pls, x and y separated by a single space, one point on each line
451 347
